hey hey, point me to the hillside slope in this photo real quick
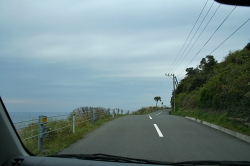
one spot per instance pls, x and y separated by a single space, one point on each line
217 87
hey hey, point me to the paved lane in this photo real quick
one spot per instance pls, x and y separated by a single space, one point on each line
182 139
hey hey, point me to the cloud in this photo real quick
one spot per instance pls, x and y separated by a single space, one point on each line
20 101
105 53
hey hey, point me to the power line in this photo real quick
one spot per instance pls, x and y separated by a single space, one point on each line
188 35
198 36
169 83
230 36
209 38
192 38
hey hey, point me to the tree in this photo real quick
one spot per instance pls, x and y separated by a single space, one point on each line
192 71
207 63
247 47
157 98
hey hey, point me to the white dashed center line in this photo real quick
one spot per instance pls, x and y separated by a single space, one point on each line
149 117
158 130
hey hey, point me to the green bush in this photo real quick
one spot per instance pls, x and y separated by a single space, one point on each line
218 87
146 110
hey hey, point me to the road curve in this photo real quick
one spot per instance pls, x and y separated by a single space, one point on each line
137 136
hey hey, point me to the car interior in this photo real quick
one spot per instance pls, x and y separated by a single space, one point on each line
14 153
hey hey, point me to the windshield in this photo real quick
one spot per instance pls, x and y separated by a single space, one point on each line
148 79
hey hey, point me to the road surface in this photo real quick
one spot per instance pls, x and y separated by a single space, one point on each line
163 137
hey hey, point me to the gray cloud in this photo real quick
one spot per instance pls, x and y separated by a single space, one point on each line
61 55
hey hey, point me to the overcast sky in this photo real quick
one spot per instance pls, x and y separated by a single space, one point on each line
61 55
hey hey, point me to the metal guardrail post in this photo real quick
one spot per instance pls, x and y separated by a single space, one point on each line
21 122
74 123
42 130
108 112
93 121
40 140
94 116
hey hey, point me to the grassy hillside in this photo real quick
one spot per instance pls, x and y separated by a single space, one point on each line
146 110
219 88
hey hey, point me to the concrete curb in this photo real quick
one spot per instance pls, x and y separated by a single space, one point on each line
228 131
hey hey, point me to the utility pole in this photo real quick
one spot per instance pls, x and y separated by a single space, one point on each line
175 83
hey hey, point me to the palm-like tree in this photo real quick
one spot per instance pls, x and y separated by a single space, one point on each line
157 98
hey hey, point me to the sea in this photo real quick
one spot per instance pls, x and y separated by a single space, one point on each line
26 116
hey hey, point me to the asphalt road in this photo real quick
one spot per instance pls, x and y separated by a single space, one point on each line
136 136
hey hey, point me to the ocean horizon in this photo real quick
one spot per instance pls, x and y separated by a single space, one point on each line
24 116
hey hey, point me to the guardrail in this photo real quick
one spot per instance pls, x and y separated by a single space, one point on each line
44 127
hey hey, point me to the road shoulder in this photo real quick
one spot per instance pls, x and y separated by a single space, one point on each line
222 129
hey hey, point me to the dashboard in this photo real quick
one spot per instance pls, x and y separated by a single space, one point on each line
46 161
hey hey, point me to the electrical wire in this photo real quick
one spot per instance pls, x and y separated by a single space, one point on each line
230 36
188 36
209 39
192 37
168 82
200 33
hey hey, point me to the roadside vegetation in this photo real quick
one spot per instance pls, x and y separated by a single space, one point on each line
220 119
147 110
218 92
60 139
157 98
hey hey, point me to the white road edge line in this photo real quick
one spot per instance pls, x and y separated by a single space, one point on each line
158 130
150 117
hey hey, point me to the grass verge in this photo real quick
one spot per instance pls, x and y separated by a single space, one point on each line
215 118
146 110
61 139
